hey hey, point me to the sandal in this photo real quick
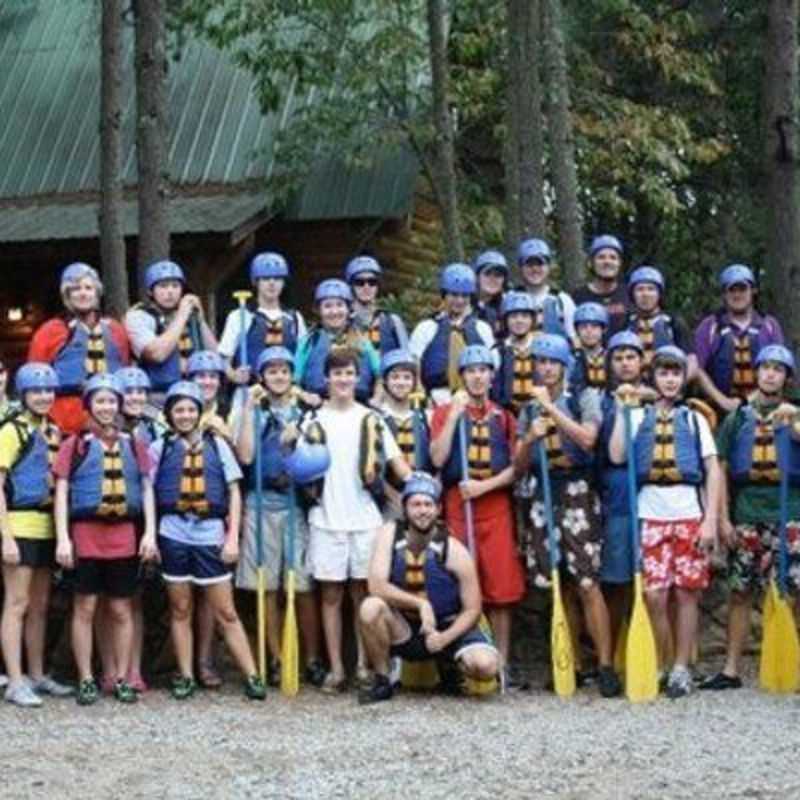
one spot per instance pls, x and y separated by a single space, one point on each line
721 681
207 676
124 692
315 673
333 684
254 688
183 687
88 692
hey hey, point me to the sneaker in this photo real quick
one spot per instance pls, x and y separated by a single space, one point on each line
679 683
315 673
514 679
608 682
183 687
3 681
333 684
721 681
663 680
274 672
21 694
124 692
364 676
395 671
48 685
88 692
379 689
254 688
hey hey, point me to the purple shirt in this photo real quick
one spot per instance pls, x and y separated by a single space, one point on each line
706 337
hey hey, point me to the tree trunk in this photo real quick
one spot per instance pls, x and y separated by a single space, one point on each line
781 162
445 185
112 239
151 131
562 149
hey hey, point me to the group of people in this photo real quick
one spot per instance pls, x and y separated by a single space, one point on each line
425 477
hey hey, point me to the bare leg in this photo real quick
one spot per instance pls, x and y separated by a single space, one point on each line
594 608
480 663
573 612
103 639
308 622
739 605
17 583
658 607
220 600
688 613
36 621
181 603
358 591
274 626
500 619
120 614
204 629
618 602
138 636
83 613
332 597
375 624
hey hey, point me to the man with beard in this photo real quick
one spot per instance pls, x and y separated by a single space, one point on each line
604 286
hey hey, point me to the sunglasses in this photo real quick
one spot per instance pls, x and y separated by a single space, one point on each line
365 282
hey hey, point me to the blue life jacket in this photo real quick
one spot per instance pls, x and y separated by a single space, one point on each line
385 332
273 456
740 457
146 428
577 458
313 378
613 477
86 481
503 382
28 485
499 451
490 314
256 337
70 361
163 374
581 377
686 443
170 472
722 360
436 358
441 586
413 437
663 330
552 316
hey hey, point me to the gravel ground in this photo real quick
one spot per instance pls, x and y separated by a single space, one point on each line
735 745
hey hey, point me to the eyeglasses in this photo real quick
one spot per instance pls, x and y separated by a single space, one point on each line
365 282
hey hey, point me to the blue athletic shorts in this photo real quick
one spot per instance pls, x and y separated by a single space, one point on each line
617 556
193 563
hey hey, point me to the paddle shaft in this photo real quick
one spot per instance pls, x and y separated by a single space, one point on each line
462 446
783 445
633 505
262 652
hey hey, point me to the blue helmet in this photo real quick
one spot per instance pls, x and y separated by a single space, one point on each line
646 274
102 380
333 289
517 301
132 378
670 354
605 242
308 462
490 259
361 265
35 375
474 355
400 357
422 483
736 273
163 271
553 347
272 355
268 265
77 271
591 313
205 361
625 339
457 279
534 249
184 390
778 354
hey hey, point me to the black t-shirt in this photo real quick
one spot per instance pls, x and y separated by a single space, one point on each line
615 303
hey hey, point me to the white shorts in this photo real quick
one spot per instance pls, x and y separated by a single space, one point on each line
274 529
340 555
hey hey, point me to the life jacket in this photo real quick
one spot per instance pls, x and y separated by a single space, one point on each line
163 374
731 364
426 575
490 314
613 478
488 451
85 353
383 331
654 332
191 481
667 448
264 332
564 456
413 437
756 453
549 317
273 454
372 456
29 483
105 482
514 380
588 372
439 363
319 345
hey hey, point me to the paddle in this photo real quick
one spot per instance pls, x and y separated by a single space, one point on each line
561 655
261 585
462 446
241 296
290 666
641 657
779 670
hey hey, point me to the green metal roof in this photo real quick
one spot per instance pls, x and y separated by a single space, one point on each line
49 142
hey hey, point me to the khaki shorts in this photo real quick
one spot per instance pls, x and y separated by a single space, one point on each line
275 533
340 555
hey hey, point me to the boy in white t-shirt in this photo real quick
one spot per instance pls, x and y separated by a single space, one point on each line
344 522
679 478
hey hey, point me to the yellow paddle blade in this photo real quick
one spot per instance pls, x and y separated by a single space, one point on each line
619 650
261 621
419 675
290 661
641 657
561 654
779 670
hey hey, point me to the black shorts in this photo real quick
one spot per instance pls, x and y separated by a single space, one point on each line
414 649
36 553
113 577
